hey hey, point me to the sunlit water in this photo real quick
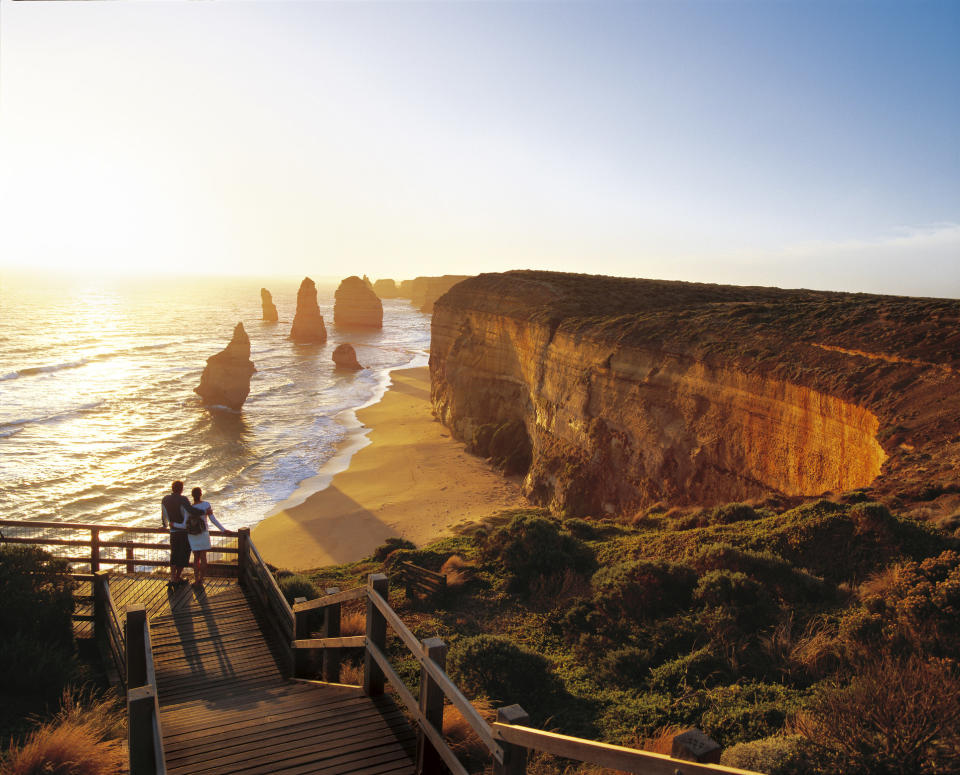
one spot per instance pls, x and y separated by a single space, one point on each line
98 413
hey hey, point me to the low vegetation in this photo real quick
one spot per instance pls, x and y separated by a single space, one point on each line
48 727
823 638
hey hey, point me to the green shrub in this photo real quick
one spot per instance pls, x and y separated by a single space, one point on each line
532 546
775 755
741 596
389 546
295 585
727 589
29 665
642 589
701 668
496 667
36 595
628 665
774 573
732 512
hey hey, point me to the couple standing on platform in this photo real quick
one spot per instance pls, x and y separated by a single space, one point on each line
188 532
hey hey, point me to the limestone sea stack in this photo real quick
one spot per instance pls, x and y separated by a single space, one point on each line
356 305
226 378
269 308
345 358
386 289
308 322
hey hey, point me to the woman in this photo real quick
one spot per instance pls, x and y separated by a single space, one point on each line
200 542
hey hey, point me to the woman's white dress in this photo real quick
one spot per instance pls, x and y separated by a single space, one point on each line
200 542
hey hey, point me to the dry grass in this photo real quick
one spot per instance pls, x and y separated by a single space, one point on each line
462 738
661 741
882 583
351 674
66 748
814 653
105 714
353 623
898 716
458 571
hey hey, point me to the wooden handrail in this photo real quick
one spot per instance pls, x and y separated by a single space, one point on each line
114 544
346 642
413 706
456 697
96 526
614 757
145 738
357 593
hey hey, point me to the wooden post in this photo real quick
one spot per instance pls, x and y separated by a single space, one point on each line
695 746
243 554
373 679
431 705
94 549
100 584
141 702
136 646
303 659
331 629
129 553
514 756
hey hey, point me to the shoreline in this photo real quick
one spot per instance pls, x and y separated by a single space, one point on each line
404 477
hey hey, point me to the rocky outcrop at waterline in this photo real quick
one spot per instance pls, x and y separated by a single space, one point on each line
386 289
226 379
345 358
424 291
269 308
356 305
308 323
612 394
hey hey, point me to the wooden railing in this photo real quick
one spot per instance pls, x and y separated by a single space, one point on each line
255 576
95 550
507 741
421 583
107 628
143 710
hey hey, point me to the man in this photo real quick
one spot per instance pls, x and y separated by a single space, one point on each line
174 509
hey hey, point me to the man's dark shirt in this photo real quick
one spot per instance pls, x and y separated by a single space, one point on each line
172 503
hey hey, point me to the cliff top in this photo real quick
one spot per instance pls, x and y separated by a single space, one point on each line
898 356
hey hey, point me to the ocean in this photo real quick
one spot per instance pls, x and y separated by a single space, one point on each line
98 414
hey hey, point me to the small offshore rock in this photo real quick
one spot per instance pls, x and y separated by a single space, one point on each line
345 358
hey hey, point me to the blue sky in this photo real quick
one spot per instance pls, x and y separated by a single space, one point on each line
789 143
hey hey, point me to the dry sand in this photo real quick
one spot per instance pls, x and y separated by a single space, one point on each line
412 481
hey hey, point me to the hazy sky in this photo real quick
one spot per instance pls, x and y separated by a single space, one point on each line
807 144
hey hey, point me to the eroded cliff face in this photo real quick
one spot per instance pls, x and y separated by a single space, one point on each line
634 392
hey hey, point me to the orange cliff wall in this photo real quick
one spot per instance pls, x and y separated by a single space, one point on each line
620 418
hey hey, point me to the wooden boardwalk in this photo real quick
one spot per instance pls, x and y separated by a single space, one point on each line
227 707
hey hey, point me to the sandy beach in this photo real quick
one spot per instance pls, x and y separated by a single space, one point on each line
413 481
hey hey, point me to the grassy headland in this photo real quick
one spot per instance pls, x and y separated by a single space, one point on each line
827 632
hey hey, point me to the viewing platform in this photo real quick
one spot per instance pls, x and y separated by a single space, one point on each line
230 678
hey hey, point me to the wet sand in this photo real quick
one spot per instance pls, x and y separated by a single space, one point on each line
412 481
